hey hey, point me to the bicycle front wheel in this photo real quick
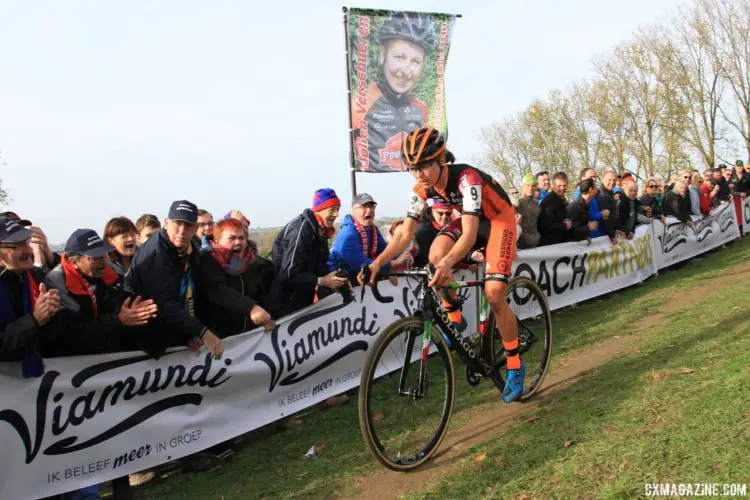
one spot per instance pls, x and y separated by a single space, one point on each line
534 321
405 406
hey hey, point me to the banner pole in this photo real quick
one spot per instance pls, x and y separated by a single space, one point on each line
352 159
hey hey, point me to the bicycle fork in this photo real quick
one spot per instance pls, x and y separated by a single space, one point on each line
421 386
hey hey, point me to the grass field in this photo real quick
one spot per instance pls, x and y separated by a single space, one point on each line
674 407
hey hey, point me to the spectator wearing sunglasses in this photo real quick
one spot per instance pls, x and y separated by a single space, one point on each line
696 181
650 206
514 195
430 224
718 175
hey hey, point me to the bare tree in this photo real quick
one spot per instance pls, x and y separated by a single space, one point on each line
731 20
578 126
3 192
691 72
631 71
508 150
609 118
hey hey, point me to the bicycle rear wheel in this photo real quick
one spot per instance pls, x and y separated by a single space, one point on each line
534 321
401 422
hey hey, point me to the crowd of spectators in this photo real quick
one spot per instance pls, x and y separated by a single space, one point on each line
194 282
609 205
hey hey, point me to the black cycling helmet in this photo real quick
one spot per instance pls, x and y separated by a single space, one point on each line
423 145
416 28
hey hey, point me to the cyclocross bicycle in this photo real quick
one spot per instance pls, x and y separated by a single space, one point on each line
407 390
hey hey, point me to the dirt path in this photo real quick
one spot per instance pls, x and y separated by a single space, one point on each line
386 484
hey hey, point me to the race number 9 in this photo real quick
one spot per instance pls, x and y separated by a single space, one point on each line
473 202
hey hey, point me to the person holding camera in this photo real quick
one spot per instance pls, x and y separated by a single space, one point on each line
359 241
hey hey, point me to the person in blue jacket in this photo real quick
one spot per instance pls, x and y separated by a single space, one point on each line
595 215
359 240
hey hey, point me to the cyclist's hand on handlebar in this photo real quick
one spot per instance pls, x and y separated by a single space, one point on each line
443 275
373 270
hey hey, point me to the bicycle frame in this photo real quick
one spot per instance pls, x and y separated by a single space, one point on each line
430 307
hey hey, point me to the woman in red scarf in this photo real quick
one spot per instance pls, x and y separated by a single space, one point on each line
238 282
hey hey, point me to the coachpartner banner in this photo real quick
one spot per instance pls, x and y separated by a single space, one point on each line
572 272
676 241
396 64
94 418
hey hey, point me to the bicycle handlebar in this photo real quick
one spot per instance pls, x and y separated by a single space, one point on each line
424 273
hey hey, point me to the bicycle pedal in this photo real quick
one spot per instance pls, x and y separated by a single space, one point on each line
472 377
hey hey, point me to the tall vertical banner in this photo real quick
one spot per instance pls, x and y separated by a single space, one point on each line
396 79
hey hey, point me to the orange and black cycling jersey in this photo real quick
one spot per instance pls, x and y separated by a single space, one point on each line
468 190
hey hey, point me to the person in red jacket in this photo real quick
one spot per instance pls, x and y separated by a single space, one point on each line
709 190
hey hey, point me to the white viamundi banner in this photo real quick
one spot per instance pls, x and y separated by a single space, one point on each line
572 272
94 418
676 241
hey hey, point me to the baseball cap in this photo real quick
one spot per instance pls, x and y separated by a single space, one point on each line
15 217
739 163
87 242
183 210
12 231
362 199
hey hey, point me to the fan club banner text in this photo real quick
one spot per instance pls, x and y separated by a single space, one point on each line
396 64
94 418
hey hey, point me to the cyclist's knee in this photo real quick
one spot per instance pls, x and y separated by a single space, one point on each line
495 294
440 248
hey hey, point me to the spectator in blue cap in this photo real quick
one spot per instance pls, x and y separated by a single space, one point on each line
95 316
26 305
164 269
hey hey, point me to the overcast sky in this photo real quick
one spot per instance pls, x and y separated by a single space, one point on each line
118 108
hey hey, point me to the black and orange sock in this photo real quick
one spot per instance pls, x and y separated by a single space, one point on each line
453 316
511 355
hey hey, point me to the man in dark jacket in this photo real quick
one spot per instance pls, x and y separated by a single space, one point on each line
675 204
94 313
718 174
740 179
235 277
25 303
553 220
578 212
165 269
628 211
300 256
607 203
